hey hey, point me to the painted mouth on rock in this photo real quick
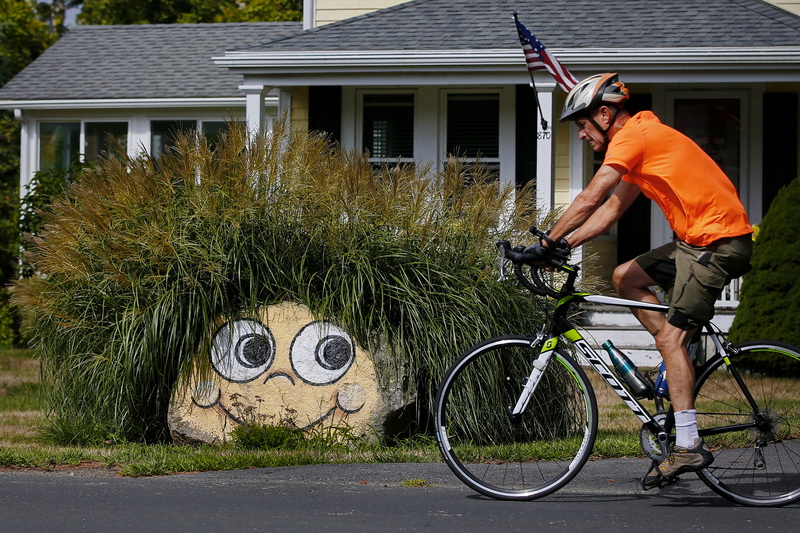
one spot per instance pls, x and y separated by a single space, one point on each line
238 420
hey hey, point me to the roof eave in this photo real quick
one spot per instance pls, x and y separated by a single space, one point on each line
126 103
454 59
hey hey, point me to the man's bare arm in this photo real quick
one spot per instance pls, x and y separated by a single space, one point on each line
587 202
607 214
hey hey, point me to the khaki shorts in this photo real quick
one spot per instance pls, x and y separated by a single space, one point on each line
694 276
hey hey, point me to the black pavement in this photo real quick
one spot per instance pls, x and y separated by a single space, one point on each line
606 496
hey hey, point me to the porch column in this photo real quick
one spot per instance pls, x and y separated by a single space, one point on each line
545 148
285 105
256 113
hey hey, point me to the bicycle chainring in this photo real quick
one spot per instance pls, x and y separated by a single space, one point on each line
649 441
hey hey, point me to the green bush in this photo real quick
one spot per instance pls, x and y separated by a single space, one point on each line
769 305
140 257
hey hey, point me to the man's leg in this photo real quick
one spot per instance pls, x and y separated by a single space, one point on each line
633 283
689 452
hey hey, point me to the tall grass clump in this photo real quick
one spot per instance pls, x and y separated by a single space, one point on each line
140 257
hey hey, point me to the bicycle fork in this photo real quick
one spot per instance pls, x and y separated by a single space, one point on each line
530 383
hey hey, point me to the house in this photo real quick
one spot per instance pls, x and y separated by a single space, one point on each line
137 83
415 81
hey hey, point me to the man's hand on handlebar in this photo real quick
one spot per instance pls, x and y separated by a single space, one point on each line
544 251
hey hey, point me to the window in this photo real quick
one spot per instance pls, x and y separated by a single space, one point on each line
388 127
715 125
60 142
473 128
104 137
163 133
213 130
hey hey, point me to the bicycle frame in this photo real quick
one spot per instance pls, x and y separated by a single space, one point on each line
550 340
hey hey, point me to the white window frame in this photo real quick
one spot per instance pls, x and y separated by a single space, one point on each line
82 138
359 122
507 136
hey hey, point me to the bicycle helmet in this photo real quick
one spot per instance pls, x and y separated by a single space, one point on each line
590 93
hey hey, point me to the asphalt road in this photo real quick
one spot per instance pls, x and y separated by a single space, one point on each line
605 497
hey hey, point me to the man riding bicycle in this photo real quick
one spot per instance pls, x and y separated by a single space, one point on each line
701 204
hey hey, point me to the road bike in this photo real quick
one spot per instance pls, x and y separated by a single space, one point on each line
516 416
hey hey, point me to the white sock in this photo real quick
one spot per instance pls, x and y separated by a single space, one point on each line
686 428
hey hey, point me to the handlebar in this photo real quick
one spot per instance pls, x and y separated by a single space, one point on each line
534 282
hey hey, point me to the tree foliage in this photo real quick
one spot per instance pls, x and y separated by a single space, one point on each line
187 11
24 35
770 298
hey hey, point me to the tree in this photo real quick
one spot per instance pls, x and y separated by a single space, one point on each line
186 11
770 297
264 10
23 36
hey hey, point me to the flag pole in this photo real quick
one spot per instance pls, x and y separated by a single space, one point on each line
538 105
535 93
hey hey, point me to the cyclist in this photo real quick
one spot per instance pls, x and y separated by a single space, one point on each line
713 232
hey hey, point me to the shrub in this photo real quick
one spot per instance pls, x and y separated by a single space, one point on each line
140 257
769 305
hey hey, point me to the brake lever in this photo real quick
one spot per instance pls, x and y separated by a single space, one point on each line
502 263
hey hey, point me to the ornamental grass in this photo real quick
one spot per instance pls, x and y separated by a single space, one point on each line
140 257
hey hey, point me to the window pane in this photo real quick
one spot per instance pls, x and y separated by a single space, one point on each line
473 125
389 125
213 130
163 133
715 125
98 138
59 144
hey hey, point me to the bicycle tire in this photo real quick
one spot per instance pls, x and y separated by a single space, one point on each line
759 466
509 459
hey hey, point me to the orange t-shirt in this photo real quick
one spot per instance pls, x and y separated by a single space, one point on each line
700 202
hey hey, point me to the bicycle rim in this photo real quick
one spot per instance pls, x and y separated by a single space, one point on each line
758 465
521 459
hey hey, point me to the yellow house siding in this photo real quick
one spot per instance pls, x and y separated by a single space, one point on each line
561 172
789 5
328 11
299 115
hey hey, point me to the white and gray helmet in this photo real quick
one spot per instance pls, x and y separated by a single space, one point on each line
592 92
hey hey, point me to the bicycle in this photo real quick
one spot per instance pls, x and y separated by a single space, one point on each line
516 416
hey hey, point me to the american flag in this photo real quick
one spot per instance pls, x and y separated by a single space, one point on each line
537 57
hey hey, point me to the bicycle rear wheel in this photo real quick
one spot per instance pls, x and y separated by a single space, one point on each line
757 459
514 459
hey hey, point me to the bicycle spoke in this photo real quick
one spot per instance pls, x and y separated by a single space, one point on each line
521 457
756 452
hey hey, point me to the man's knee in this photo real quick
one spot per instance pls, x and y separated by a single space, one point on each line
629 276
672 340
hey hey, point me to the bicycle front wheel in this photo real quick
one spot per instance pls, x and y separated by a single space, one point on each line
752 424
514 458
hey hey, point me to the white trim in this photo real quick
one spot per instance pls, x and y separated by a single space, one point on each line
545 149
255 113
309 14
128 103
427 145
304 60
508 138
577 174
